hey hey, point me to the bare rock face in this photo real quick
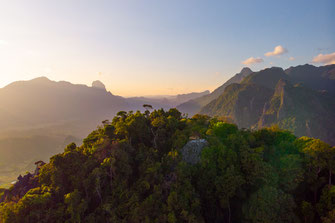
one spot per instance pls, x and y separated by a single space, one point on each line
99 85
192 150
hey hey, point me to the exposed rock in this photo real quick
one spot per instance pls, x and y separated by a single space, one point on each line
192 150
99 85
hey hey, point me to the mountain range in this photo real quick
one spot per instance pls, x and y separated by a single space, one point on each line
300 99
39 117
193 106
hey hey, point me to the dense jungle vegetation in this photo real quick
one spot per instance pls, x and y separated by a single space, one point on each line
131 169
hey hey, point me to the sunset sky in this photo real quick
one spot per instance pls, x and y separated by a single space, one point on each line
160 47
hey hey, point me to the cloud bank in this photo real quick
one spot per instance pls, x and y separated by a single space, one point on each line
278 50
325 58
252 60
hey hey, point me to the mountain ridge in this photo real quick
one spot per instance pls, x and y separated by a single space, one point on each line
283 97
191 107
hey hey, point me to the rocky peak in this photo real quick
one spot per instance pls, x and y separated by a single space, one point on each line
98 84
245 71
42 79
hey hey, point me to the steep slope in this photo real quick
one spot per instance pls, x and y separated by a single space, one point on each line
193 106
267 78
243 103
274 96
301 110
317 78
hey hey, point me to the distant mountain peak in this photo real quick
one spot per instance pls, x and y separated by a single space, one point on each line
98 84
41 79
246 71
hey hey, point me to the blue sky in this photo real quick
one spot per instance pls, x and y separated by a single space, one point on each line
159 47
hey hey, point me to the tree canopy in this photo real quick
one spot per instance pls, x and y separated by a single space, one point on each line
132 170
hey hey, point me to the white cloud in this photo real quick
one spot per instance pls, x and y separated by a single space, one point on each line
252 60
278 50
325 58
291 58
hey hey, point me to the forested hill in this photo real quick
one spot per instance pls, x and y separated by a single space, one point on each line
300 99
162 167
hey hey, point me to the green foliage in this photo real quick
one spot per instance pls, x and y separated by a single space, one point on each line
132 170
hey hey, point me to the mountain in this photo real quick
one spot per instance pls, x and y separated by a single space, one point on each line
299 99
44 102
39 116
302 110
191 107
98 84
166 102
317 78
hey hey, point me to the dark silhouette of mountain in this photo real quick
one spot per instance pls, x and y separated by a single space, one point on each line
317 78
42 101
98 84
191 107
299 99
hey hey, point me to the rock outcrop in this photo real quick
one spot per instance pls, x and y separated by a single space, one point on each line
192 150
22 185
99 85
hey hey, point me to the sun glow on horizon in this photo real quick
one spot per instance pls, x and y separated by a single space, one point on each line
163 49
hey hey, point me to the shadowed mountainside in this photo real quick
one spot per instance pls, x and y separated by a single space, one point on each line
301 103
192 107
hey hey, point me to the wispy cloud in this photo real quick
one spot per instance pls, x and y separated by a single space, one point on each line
252 60
325 58
278 50
291 58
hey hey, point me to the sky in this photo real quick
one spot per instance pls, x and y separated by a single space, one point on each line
160 47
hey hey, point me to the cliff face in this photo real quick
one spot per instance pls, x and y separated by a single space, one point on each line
243 103
301 110
274 96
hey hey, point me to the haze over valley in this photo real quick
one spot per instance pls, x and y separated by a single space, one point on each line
40 117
